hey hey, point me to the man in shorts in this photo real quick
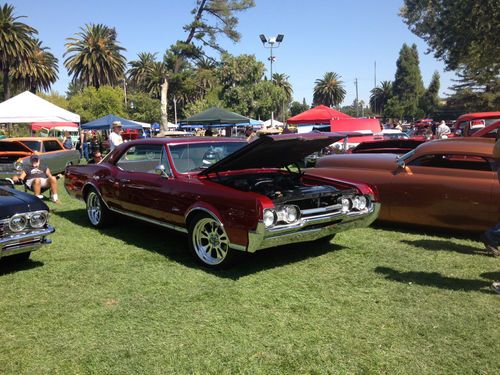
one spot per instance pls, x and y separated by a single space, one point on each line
38 177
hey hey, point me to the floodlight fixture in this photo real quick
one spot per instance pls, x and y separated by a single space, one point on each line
279 38
263 38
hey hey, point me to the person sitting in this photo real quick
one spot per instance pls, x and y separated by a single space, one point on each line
38 177
68 142
96 157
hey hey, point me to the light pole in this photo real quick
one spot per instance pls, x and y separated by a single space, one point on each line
271 42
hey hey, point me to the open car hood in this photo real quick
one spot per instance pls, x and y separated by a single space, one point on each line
13 146
275 151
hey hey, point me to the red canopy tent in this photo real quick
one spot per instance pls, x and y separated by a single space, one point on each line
49 125
318 115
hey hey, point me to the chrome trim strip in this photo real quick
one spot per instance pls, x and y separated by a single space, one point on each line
150 220
321 209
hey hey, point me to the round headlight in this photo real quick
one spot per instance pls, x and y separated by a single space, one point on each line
18 222
362 202
290 213
38 219
269 218
18 166
346 205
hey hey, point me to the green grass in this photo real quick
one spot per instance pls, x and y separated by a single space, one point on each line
130 300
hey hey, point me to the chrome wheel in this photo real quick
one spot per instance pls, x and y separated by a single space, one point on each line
94 209
210 241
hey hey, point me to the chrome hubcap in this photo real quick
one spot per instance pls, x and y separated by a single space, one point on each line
94 208
210 241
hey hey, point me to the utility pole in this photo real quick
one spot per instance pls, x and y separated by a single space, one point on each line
375 86
357 103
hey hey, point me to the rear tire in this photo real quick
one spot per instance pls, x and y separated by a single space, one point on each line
98 214
209 243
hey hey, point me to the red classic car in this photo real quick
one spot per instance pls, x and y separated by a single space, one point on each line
469 121
227 194
449 183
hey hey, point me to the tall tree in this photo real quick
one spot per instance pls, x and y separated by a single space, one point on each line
408 86
212 18
430 100
329 90
94 56
140 70
40 70
297 107
16 44
462 33
380 95
281 80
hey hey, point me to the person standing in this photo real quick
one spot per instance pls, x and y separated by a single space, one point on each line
442 131
115 138
68 142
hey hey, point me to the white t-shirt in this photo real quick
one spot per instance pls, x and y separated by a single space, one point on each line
443 130
114 140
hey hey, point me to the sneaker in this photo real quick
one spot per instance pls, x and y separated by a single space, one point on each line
495 287
492 249
56 202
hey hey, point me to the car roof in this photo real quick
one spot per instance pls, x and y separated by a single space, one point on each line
462 145
478 115
182 140
32 139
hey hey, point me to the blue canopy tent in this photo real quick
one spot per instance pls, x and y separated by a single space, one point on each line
104 123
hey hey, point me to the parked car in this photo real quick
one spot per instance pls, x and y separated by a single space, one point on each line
16 152
23 222
448 183
490 131
226 194
465 124
392 146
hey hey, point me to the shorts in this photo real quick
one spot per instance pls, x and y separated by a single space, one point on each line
44 183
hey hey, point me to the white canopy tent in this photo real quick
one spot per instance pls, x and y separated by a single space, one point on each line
27 107
272 123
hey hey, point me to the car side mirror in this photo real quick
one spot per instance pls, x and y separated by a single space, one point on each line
401 163
160 170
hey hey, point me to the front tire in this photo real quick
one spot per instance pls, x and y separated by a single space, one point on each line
97 212
209 243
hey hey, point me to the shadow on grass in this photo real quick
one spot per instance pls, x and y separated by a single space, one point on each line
433 279
174 246
423 230
494 276
441 245
9 266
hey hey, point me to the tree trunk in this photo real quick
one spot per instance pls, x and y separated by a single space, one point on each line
164 117
6 87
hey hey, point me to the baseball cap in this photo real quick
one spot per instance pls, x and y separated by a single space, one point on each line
34 157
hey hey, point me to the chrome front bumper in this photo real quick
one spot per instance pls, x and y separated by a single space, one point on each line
21 243
310 229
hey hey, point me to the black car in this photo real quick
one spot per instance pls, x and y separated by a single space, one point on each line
23 222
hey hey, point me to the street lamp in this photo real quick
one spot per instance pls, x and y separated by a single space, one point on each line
271 42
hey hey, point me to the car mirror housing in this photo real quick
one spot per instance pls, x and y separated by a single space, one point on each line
401 163
160 170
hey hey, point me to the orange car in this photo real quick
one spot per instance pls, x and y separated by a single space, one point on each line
449 183
15 153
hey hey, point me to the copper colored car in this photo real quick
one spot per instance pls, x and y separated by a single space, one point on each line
449 183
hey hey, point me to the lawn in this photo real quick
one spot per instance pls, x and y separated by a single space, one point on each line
130 300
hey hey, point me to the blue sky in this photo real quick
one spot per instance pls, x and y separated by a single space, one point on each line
343 36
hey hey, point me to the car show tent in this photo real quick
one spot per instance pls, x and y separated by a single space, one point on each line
215 116
317 115
49 125
105 122
27 107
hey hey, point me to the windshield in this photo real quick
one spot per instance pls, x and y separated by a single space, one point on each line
33 145
197 156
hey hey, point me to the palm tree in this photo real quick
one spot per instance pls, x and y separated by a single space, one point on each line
40 71
95 57
281 80
380 95
16 43
141 70
329 90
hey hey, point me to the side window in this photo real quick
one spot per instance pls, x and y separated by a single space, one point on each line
50 146
141 158
164 161
451 161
